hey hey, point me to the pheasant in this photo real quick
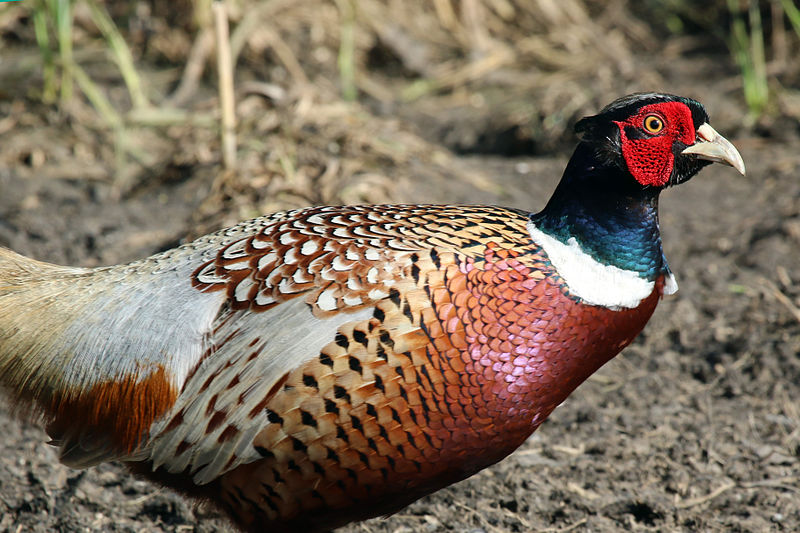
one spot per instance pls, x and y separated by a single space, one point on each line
313 367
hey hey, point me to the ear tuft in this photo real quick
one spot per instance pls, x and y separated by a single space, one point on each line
585 124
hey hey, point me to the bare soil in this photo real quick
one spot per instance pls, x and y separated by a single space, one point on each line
695 427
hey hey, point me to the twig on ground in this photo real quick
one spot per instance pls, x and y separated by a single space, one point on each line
570 527
781 297
691 502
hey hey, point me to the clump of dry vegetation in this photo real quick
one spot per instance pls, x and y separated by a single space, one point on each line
318 85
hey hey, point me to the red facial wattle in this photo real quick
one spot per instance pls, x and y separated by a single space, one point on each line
650 158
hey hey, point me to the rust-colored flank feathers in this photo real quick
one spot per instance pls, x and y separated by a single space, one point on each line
123 409
313 367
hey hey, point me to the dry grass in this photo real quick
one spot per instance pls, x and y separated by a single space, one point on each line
314 80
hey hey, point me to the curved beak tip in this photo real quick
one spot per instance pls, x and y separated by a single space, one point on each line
712 146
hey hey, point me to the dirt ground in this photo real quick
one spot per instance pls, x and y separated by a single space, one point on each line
695 427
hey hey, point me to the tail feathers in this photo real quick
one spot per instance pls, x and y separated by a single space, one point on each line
30 292
99 354
16 269
115 418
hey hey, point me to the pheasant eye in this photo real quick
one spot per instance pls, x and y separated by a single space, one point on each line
653 123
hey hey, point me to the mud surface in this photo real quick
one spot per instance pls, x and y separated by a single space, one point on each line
695 427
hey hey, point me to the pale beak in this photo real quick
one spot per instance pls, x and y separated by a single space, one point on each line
712 146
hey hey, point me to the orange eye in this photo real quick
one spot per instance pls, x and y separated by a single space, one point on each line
653 123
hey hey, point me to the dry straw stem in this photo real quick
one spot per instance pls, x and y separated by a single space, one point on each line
775 292
691 502
226 96
784 483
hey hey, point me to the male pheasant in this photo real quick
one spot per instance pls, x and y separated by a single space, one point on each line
329 364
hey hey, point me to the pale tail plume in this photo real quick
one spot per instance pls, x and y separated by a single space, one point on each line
76 348
16 268
33 296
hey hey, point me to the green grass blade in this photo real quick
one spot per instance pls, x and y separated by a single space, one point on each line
64 31
48 62
793 13
121 52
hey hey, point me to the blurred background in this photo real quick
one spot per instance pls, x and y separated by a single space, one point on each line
115 143
352 101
